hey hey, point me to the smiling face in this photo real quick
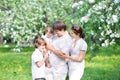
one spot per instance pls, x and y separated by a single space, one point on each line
59 32
73 35
49 32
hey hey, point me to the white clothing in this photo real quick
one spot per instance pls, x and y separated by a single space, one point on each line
49 74
76 69
48 71
48 40
59 66
37 72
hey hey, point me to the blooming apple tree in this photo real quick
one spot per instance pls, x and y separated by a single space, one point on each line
100 20
21 20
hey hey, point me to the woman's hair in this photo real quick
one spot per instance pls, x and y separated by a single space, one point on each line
59 25
78 30
39 41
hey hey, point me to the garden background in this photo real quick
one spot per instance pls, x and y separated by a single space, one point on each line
21 20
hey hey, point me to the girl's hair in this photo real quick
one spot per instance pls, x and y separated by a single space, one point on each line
36 37
39 41
78 30
59 25
47 29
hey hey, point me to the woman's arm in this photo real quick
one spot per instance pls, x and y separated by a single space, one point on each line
78 59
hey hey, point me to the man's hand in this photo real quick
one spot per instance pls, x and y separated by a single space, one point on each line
49 47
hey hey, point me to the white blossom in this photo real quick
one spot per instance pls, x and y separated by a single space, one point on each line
103 44
110 8
108 21
80 2
100 27
116 1
91 1
112 42
75 5
108 32
115 18
92 32
117 35
84 19
102 33
72 20
100 39
14 33
112 35
16 49
106 42
6 46
55 16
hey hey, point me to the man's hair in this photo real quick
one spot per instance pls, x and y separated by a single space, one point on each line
59 25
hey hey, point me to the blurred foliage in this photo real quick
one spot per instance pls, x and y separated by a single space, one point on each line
21 20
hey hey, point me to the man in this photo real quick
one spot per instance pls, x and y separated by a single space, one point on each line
60 46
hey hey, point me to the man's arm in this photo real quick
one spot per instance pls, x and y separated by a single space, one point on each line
56 52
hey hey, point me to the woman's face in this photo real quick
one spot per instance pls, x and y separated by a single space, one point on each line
73 35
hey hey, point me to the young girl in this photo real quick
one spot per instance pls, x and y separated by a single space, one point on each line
38 59
48 36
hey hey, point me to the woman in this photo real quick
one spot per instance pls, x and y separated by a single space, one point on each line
77 53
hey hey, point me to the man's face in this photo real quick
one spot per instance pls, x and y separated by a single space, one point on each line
59 32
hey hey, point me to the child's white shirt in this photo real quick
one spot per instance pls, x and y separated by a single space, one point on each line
37 72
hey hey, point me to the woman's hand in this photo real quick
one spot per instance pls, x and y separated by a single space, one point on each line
64 56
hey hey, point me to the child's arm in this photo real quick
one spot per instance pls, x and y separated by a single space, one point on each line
47 63
40 63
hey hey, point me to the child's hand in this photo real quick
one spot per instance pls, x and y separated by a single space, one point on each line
45 56
48 65
44 52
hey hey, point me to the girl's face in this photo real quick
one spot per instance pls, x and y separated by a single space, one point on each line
48 33
41 47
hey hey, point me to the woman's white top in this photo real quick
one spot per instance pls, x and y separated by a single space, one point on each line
75 52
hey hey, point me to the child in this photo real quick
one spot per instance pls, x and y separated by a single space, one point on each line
38 59
48 36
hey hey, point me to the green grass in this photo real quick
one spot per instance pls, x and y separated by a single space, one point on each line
102 64
15 65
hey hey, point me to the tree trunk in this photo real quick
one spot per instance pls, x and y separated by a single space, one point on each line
1 39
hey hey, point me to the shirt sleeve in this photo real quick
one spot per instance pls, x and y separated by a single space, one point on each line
36 57
83 46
